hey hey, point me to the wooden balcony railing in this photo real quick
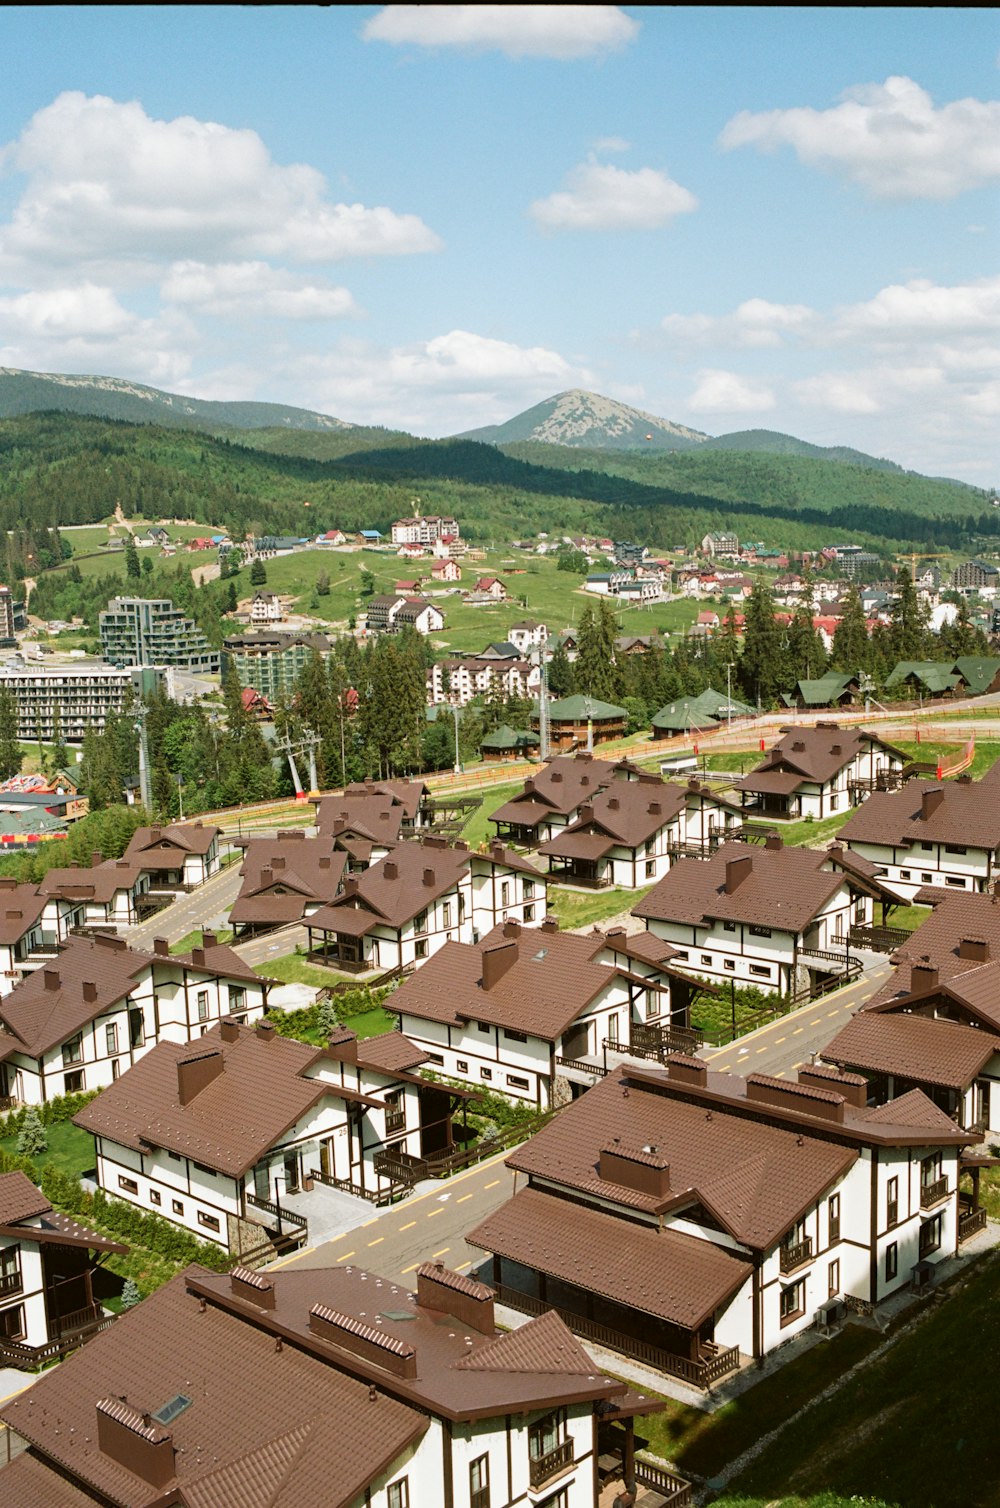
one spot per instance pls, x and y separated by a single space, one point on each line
541 1468
277 1211
933 1193
10 1282
970 1222
796 1254
674 1490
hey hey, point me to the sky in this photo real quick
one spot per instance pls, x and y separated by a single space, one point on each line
432 217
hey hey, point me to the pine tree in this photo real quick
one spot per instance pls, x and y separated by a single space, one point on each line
258 573
763 670
907 631
32 1139
133 569
851 649
130 1295
10 749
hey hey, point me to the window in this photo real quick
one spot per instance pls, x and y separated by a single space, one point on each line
760 931
515 1036
398 1494
155 1197
529 913
461 1065
237 999
834 801
650 869
954 879
420 921
486 1073
128 1184
174 1156
891 1262
435 1057
420 948
681 953
208 1221
72 1051
479 1483
833 1212
10 1271
706 958
446 914
483 1026
528 889
833 1280
761 970
12 1323
116 1069
927 847
793 1301
395 1112
729 926
505 893
177 1206
202 1005
545 1436
111 1039
730 964
892 1201
73 1082
926 878
954 848
516 1081
930 1236
904 874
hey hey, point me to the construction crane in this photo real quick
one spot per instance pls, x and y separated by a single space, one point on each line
913 557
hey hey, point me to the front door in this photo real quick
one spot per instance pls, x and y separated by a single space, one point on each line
261 1182
291 1172
983 1098
325 1160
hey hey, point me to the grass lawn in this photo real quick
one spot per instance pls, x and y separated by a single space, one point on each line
808 834
194 940
293 969
478 827
579 908
909 917
986 755
70 1149
903 1429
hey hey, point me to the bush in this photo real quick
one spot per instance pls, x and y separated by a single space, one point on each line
31 1138
130 1294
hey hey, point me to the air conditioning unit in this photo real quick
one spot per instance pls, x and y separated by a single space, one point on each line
828 1316
922 1277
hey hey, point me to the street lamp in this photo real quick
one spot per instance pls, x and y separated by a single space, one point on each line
458 762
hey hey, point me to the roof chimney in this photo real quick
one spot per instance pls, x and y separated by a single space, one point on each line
550 924
929 803
496 961
774 841
642 1169
923 976
96 857
613 803
447 1292
278 861
89 990
229 1029
209 939
265 1031
737 871
428 877
655 808
807 1099
51 978
342 1045
683 1068
976 948
853 1086
390 869
196 1073
198 957
367 1342
266 875
135 1442
351 884
161 947
252 1287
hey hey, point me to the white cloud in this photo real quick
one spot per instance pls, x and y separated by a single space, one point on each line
562 32
922 310
85 329
110 187
888 138
755 322
720 392
608 144
599 196
254 290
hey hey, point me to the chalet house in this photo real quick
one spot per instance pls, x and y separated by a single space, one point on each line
176 857
698 714
528 634
215 1136
285 879
401 910
507 743
923 679
364 800
22 931
771 916
517 1010
630 832
96 1006
943 835
551 799
446 570
582 721
266 608
362 828
322 1389
831 690
491 587
816 772
50 1285
107 895
653 1168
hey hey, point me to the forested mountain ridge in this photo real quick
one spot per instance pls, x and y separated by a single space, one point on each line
58 469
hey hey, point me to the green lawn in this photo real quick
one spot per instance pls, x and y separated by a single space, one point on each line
808 833
986 755
478 828
293 969
194 940
70 1149
582 908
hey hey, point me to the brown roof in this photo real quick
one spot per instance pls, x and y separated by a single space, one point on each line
260 1091
814 755
181 837
19 1199
628 811
29 1483
266 1427
966 813
99 883
939 941
390 1053
755 1177
782 888
545 980
579 843
51 1004
377 817
913 1047
677 1277
409 793
282 876
20 908
561 785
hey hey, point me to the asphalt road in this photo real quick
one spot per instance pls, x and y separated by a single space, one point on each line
393 1243
191 910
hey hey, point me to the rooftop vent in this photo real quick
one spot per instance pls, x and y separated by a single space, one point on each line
447 1292
929 803
252 1286
364 1341
133 1440
684 1069
976 948
805 1098
642 1169
342 1045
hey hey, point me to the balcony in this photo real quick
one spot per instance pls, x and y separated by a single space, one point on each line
542 1468
10 1283
933 1193
796 1254
395 1120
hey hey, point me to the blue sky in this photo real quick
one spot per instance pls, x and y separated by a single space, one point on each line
432 217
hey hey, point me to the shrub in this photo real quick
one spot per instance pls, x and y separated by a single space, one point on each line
130 1294
31 1138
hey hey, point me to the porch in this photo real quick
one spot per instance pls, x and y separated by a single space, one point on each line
591 874
69 1332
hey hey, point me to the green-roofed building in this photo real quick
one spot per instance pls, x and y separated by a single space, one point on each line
933 678
697 714
979 673
578 721
831 690
506 742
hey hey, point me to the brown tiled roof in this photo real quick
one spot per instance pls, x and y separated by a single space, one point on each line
456 1281
100 882
50 1005
677 1277
784 888
757 1178
815 755
560 786
409 793
645 946
579 843
939 941
182 837
967 814
266 1427
377 817
230 1124
218 959
912 1110
552 977
20 908
630 812
390 1053
19 1199
305 870
29 1483
913 1047
546 1346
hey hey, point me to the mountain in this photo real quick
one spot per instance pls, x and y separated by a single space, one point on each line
587 419
772 442
115 398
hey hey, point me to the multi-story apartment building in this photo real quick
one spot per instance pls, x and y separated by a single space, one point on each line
67 700
424 530
272 662
151 631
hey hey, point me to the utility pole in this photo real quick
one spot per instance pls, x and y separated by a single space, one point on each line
543 709
145 788
458 762
729 696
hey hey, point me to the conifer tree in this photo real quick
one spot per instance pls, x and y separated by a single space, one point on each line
10 748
